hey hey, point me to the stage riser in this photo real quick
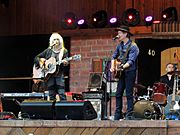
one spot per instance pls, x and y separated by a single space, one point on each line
91 127
85 131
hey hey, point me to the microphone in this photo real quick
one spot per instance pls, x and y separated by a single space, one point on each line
52 46
116 37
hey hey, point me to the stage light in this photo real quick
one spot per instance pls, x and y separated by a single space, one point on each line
114 22
69 21
99 19
148 20
131 17
82 24
169 14
156 21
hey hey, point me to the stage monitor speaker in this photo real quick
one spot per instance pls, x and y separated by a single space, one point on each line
95 80
81 110
37 110
11 105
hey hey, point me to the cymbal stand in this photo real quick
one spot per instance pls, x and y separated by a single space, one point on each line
148 93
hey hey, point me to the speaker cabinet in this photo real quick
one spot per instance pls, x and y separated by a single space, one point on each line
37 110
82 110
11 105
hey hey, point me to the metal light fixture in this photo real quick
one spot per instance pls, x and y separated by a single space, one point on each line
69 21
99 19
169 14
131 17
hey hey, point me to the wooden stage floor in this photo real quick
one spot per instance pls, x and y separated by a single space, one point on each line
89 127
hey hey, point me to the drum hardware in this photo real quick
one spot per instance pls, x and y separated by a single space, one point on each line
149 89
143 97
146 97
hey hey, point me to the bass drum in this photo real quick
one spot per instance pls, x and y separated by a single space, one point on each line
144 109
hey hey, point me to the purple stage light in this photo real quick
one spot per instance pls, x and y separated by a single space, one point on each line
82 24
81 21
148 18
113 20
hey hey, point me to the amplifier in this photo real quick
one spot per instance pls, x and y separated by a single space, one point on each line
92 95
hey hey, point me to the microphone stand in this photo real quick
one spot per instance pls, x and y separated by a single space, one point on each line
110 92
105 97
107 75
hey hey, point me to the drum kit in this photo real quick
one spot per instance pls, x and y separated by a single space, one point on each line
150 106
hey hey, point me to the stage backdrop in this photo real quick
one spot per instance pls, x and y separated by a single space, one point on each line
152 60
16 57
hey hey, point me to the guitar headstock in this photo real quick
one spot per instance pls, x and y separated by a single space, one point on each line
76 57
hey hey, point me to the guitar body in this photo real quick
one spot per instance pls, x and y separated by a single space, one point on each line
49 68
172 105
117 73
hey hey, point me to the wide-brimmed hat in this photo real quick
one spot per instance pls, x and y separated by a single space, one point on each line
124 29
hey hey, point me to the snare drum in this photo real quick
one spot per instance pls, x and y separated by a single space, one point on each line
160 88
144 109
159 93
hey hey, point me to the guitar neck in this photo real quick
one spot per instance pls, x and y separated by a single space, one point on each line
174 89
67 59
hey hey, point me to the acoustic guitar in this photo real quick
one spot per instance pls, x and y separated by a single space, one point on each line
50 67
118 69
172 100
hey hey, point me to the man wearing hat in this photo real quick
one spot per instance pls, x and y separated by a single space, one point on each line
126 53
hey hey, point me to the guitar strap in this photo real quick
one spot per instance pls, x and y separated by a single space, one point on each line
126 53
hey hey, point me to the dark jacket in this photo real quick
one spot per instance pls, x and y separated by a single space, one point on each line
48 53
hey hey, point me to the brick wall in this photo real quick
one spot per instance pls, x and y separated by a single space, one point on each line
89 48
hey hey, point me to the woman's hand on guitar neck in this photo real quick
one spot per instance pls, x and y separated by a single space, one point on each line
65 62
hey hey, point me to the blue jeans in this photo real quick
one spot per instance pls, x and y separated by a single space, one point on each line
126 82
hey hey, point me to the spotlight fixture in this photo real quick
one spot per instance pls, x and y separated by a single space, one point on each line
69 21
5 3
169 14
82 24
114 22
148 20
99 19
131 17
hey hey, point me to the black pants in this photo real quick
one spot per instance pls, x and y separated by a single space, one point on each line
56 85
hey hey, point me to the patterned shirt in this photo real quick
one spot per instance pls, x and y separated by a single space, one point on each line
131 56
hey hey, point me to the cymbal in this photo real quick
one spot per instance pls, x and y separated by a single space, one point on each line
139 86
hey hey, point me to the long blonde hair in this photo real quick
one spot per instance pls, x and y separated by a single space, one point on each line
56 35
